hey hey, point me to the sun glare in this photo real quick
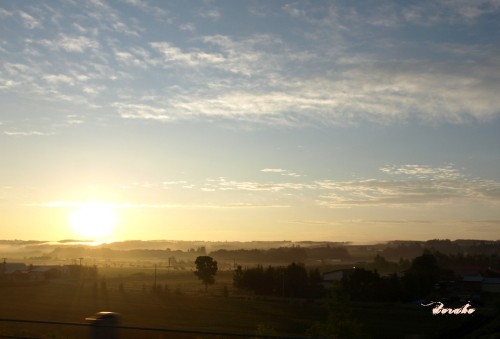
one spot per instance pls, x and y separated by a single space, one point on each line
94 220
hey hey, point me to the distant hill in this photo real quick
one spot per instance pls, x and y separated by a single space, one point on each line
250 250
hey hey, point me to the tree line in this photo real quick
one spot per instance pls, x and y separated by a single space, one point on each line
409 280
290 281
361 284
282 254
414 283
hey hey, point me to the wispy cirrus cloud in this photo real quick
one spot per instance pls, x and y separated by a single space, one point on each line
189 26
147 7
391 14
263 77
26 133
424 172
396 193
280 171
361 221
219 52
174 54
58 79
417 185
77 44
5 13
72 204
29 21
211 13
422 185
223 184
405 187
357 91
108 18
142 111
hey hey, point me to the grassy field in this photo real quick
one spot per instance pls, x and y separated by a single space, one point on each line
182 303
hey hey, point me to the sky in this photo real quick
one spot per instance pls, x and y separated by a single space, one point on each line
251 120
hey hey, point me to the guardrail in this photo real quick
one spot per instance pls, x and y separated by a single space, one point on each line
104 325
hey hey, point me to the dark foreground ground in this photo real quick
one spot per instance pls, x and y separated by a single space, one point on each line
181 303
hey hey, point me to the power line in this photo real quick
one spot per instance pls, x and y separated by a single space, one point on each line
152 329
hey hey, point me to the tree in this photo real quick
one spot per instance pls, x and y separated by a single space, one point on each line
426 266
340 323
295 280
238 277
363 284
206 268
422 275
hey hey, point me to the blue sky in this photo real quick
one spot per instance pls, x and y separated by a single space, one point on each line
252 120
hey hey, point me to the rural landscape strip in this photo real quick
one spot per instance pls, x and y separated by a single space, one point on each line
247 335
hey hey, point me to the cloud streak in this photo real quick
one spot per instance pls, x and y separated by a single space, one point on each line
72 204
421 185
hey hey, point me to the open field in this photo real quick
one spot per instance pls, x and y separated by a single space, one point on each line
181 303
184 305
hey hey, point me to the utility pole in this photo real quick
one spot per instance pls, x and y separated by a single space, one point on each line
283 284
154 285
170 260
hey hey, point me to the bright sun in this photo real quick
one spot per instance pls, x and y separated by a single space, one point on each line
94 220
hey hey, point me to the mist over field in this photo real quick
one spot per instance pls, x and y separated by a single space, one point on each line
281 288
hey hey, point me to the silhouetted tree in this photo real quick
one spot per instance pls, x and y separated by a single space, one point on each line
382 265
390 289
295 280
421 276
406 251
425 265
238 277
315 287
362 284
206 268
340 322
